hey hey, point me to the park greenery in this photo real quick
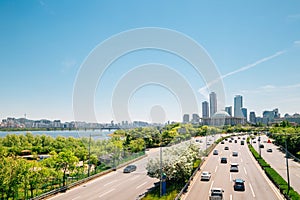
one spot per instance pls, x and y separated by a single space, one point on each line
71 159
284 132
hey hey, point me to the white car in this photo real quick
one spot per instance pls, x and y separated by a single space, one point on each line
205 176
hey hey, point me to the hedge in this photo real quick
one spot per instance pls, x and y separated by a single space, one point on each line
275 177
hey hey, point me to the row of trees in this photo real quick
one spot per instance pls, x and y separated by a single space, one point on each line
177 163
23 179
69 158
284 132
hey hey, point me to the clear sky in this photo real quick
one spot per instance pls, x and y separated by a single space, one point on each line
255 46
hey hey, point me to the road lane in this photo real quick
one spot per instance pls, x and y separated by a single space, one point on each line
278 162
257 185
115 185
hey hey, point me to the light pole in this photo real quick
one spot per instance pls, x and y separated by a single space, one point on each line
259 146
89 156
160 155
287 164
89 167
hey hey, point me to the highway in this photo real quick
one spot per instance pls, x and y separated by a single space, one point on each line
277 160
256 183
117 185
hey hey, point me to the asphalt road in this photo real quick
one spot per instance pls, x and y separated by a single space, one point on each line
256 183
278 162
117 185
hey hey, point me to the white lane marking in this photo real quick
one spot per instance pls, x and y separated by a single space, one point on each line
245 170
216 168
253 194
230 197
230 178
76 198
241 159
110 182
141 185
134 177
105 193
211 185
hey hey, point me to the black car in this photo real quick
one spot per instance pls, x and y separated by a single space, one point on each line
234 167
129 168
215 152
269 150
222 142
223 160
239 184
226 148
261 146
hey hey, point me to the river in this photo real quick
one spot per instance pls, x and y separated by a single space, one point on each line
96 134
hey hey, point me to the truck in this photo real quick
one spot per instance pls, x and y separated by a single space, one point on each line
216 194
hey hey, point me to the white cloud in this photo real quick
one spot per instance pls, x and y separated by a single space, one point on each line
249 66
244 68
67 64
297 43
271 88
294 17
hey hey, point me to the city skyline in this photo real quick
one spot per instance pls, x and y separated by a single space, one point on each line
256 51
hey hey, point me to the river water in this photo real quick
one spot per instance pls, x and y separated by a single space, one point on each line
96 134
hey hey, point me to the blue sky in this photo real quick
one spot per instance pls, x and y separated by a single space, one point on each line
255 46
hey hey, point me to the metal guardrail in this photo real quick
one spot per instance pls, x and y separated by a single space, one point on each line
77 183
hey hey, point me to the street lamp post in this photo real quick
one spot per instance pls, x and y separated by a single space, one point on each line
160 163
89 167
161 171
89 156
287 164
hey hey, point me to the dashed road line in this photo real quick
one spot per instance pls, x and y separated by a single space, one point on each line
216 169
141 185
253 194
105 193
230 197
134 177
110 182
245 170
211 185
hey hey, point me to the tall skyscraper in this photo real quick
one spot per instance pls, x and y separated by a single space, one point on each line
238 105
244 111
228 109
252 117
195 118
205 109
186 118
212 103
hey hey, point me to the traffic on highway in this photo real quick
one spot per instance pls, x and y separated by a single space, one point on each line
229 172
234 174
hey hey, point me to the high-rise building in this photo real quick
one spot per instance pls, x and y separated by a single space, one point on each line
238 105
252 117
186 118
228 109
244 111
212 103
205 109
195 118
269 116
